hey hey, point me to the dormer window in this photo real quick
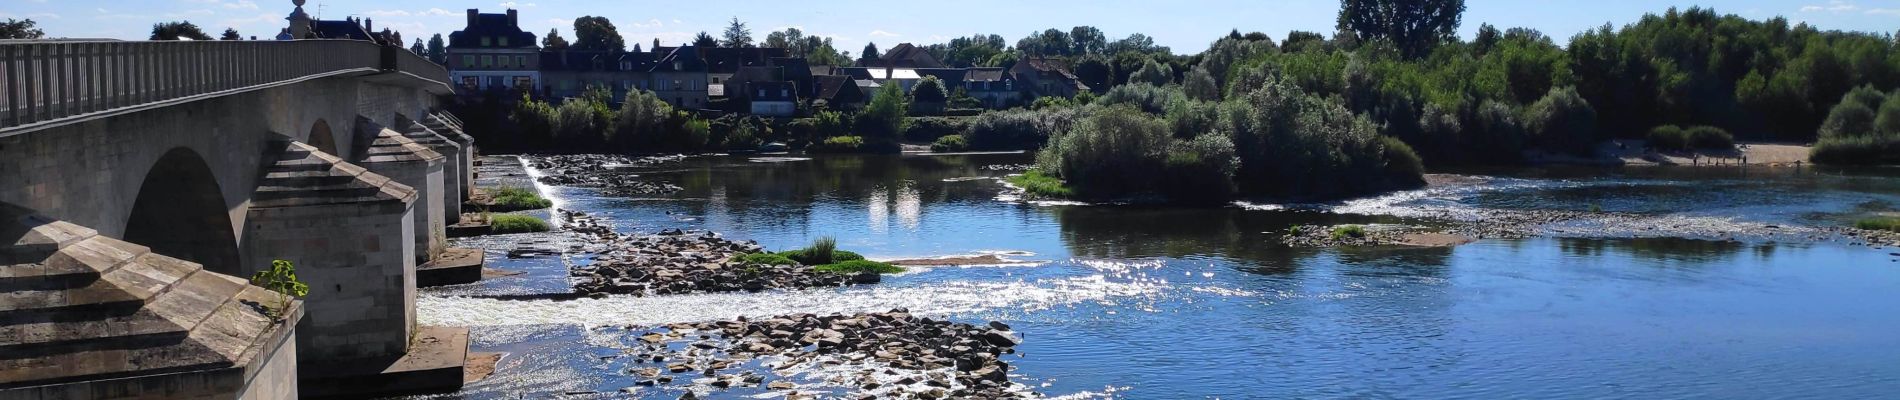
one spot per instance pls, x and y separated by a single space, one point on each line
487 41
504 41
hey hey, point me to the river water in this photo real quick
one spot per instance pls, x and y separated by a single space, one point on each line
1713 283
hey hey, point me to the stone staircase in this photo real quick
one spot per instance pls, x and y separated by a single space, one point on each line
77 308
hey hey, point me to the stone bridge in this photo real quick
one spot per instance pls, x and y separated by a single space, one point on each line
331 154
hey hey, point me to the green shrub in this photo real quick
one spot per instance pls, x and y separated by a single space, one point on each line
1710 138
1349 231
764 259
1200 170
926 129
822 251
515 198
949 143
1039 184
1563 122
1018 129
511 223
1402 165
1111 152
281 278
839 144
1862 150
1891 224
860 266
1668 138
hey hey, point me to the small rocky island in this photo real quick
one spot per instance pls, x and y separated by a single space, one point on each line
895 354
674 262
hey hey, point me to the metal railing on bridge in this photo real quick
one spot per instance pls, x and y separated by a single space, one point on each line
50 80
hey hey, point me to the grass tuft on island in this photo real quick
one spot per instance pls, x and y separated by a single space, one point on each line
822 255
1890 224
517 199
510 223
1349 232
1040 184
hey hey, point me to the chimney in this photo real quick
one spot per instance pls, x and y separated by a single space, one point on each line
512 17
474 17
369 25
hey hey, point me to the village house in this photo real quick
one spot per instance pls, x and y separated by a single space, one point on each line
995 88
493 53
679 78
571 73
1041 76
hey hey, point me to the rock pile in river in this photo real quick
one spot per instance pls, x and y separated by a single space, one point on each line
674 261
598 171
896 354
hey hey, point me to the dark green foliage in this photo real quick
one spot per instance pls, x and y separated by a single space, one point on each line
1855 133
926 129
764 259
884 119
1710 138
860 266
1415 26
176 30
593 33
949 144
1148 98
1200 169
837 144
1153 73
929 90
20 29
232 34
705 40
822 251
502 224
1562 122
737 35
1294 144
1668 138
1018 129
1112 152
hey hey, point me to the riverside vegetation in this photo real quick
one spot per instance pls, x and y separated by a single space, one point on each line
1315 115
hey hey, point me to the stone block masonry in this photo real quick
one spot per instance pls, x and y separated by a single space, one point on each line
389 153
351 234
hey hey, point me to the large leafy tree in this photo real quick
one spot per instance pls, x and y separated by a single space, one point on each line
1087 40
231 34
1415 26
20 29
438 50
705 40
597 34
870 52
176 30
553 41
737 35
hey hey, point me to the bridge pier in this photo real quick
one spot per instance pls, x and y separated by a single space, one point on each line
350 233
455 164
393 155
453 130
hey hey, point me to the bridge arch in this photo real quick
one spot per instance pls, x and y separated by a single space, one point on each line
180 212
322 138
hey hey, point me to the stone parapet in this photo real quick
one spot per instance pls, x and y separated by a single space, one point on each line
455 165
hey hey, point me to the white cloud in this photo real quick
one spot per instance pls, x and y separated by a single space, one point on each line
436 12
509 4
241 5
190 13
882 33
1835 6
386 13
1883 11
648 24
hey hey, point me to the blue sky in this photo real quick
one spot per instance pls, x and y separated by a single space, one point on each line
1186 25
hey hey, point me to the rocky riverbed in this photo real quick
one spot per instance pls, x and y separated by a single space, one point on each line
599 171
674 261
861 356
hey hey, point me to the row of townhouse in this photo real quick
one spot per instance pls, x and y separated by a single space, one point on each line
493 54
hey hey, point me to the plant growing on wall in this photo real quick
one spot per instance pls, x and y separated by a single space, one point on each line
282 279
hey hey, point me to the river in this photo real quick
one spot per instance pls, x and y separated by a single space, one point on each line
1697 282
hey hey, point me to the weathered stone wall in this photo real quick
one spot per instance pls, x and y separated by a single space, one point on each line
276 377
356 259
